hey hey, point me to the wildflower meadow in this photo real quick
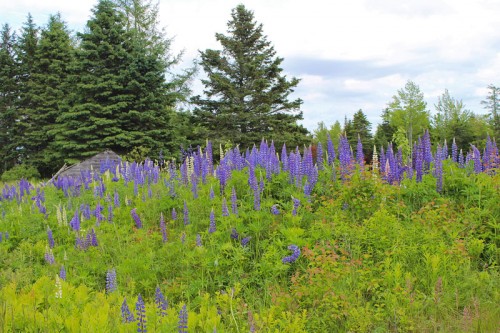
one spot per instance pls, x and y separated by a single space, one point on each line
271 239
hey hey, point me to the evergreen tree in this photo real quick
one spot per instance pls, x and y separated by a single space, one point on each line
8 100
101 105
25 48
385 131
247 96
360 127
49 91
492 104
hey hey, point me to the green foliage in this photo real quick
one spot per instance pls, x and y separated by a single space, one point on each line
247 96
360 127
20 171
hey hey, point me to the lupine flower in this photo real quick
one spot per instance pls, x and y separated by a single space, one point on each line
234 234
186 213
212 194
161 302
198 240
245 241
49 256
62 273
438 169
75 221
163 228
345 157
330 149
136 218
234 202
275 210
360 157
174 214
58 287
1 237
225 210
141 314
212 227
127 316
110 213
296 204
93 238
111 280
476 157
50 238
294 256
183 320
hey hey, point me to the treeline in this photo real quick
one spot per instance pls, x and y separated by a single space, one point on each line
407 117
64 98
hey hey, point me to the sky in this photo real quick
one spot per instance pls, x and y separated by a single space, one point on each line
349 55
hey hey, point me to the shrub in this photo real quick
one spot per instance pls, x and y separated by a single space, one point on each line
20 171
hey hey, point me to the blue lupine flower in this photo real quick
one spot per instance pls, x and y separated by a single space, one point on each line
296 204
50 238
234 234
75 221
225 210
183 320
111 280
136 218
198 240
245 241
234 202
275 210
319 156
141 314
360 157
62 273
163 228
330 149
186 213
127 316
294 256
161 302
212 227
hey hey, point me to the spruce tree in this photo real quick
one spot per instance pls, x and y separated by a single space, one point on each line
246 94
49 94
95 120
8 100
360 126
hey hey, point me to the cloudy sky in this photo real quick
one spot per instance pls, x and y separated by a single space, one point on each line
350 55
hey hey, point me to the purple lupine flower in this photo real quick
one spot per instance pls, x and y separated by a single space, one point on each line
444 151
345 157
127 316
284 158
296 204
438 169
183 320
212 227
163 228
234 201
1 237
275 210
136 218
198 240
426 144
234 234
194 185
454 151
49 256
245 241
161 302
174 214
141 314
225 210
110 213
110 280
360 156
419 163
212 194
461 160
62 273
330 149
319 156
312 178
476 157
50 238
93 238
294 256
186 213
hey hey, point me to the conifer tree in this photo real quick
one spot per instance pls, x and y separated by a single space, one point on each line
8 100
49 93
360 126
246 93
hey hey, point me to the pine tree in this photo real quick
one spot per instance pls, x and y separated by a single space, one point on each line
492 104
49 92
8 100
25 48
100 108
384 132
247 96
360 127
